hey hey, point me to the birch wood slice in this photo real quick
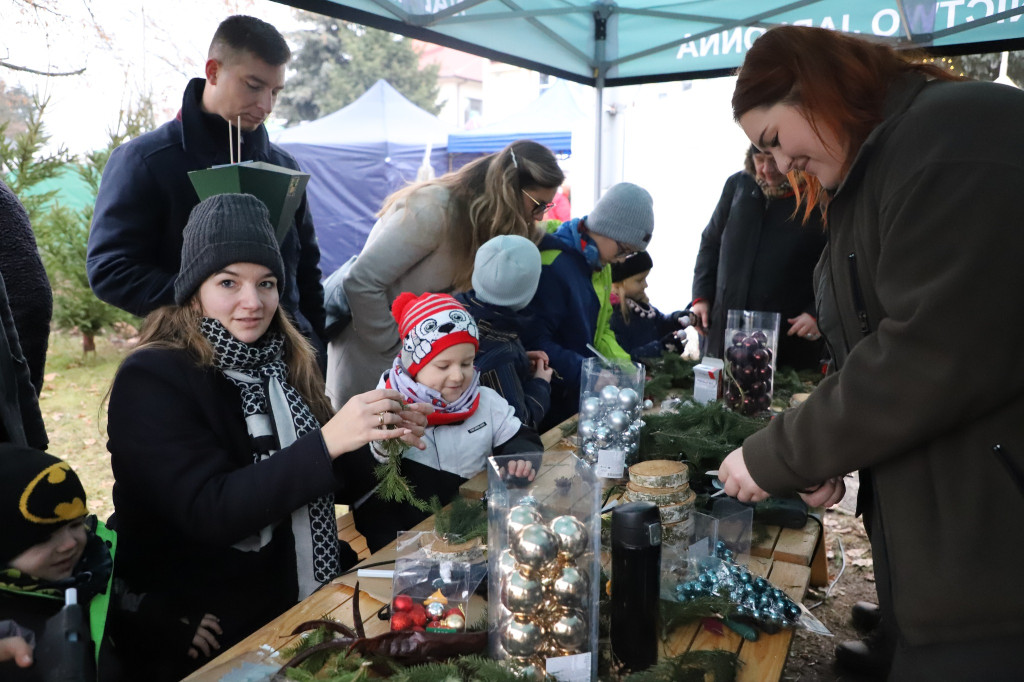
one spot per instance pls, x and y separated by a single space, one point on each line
659 473
658 496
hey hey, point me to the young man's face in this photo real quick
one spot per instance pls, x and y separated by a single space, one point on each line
242 87
56 558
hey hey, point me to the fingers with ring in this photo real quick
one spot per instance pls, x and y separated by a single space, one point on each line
380 417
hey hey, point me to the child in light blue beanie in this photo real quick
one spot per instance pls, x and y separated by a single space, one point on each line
505 276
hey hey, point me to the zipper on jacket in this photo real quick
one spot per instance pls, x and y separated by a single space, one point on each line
1015 472
858 296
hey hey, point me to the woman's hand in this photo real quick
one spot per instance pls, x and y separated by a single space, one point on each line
699 317
369 416
539 365
737 481
805 326
205 639
16 649
826 495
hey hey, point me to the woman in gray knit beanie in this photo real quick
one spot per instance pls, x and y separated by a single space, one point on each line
227 458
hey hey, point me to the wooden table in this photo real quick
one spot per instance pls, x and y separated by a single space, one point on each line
791 559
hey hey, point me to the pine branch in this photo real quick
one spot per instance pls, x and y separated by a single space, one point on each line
462 521
394 487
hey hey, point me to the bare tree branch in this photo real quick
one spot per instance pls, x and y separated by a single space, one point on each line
15 67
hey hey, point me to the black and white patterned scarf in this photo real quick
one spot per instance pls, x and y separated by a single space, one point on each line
276 415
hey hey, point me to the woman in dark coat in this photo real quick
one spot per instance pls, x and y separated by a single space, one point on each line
920 175
227 461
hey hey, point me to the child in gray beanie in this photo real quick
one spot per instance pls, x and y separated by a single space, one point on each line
572 305
506 272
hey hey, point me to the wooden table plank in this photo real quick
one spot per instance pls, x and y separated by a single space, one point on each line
763 539
765 658
796 545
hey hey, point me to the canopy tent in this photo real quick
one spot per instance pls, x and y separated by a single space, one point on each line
635 41
611 43
356 157
549 120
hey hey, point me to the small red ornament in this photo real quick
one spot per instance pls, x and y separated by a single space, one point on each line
401 621
403 602
456 611
418 614
434 624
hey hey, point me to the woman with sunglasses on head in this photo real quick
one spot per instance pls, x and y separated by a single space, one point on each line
425 241
572 306
918 175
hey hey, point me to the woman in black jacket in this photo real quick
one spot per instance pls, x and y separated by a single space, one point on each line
227 461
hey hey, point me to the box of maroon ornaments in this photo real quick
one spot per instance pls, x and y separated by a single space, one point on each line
751 341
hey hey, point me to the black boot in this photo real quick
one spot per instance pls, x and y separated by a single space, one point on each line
864 616
871 656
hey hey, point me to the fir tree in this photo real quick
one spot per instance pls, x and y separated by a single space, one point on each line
336 62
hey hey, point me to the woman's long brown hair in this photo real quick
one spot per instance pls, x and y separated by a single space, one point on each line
177 327
839 81
486 200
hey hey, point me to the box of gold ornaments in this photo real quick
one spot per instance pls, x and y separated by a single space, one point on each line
543 554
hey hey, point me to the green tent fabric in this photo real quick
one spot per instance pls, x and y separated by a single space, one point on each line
610 43
71 190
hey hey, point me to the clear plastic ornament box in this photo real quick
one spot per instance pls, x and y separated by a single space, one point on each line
543 567
751 344
611 404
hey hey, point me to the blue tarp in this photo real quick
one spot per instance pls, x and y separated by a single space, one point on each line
549 120
357 156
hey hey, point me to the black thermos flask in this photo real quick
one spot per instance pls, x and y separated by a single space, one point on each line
636 583
65 650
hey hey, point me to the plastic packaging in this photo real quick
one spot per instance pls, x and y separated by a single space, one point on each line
751 342
611 402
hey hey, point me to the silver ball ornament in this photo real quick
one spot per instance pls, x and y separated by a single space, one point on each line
591 408
602 436
617 421
628 399
521 594
571 589
633 432
610 396
572 536
569 631
631 448
535 546
521 637
435 610
648 404
590 452
586 429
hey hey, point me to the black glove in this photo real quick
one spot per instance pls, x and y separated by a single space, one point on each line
672 343
682 317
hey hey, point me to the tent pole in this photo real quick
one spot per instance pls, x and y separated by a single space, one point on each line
601 14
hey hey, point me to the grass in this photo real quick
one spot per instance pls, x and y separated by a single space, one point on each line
75 415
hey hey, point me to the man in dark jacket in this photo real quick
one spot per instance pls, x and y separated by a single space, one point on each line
756 255
146 196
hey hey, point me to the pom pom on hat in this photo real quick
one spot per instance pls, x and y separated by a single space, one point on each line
634 264
626 214
506 271
39 493
428 324
221 230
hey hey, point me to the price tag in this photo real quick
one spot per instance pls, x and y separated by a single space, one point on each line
575 668
610 463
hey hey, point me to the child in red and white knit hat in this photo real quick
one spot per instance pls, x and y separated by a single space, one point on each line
470 422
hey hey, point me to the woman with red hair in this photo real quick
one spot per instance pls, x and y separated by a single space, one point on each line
918 176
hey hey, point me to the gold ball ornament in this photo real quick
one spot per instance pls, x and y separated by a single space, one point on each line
535 547
521 637
521 594
569 631
519 517
571 589
573 538
455 621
